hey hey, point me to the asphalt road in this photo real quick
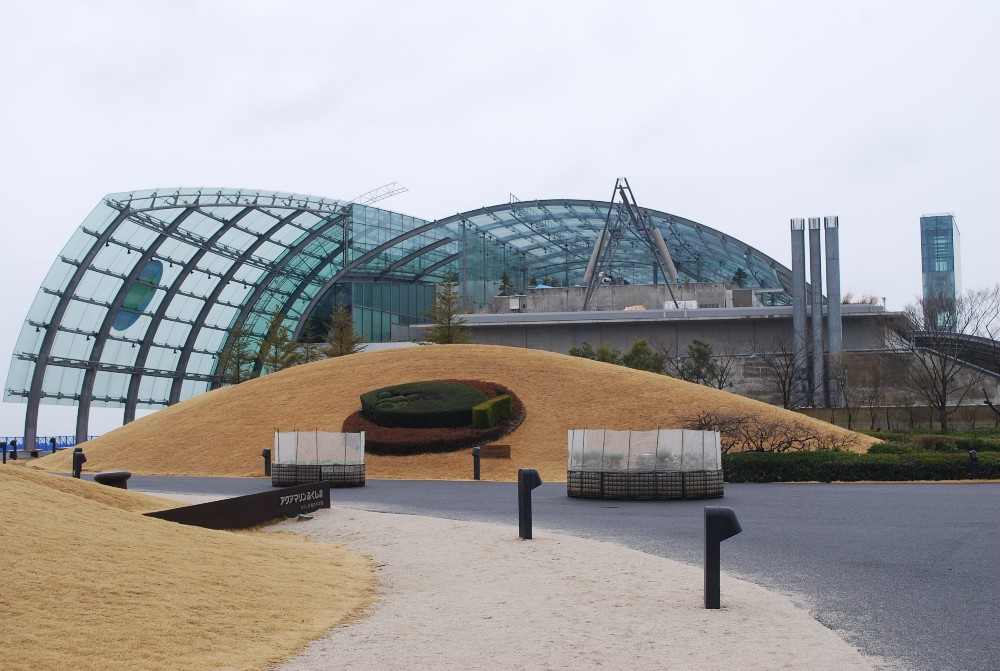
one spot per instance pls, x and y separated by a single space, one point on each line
904 572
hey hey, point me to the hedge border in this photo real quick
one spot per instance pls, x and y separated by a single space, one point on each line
829 466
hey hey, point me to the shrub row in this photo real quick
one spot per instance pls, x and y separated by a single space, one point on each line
492 412
936 443
828 466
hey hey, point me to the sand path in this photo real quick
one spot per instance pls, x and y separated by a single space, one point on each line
467 595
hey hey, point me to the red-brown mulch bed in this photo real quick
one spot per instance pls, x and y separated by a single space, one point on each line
402 441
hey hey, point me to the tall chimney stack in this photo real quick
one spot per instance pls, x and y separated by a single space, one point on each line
834 326
799 307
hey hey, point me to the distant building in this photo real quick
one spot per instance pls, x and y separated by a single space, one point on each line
939 255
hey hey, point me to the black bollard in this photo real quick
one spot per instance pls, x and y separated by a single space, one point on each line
3 448
475 463
973 465
527 479
78 461
720 524
13 450
266 453
52 440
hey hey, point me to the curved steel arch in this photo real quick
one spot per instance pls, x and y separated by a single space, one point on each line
45 350
404 261
348 267
132 395
263 284
599 208
188 348
542 236
87 386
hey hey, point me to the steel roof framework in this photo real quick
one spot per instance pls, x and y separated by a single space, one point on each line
231 258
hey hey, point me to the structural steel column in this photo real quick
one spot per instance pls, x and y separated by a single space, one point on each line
799 307
55 320
834 326
132 394
206 308
816 291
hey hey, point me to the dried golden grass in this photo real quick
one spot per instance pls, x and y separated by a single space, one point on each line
110 496
87 585
224 431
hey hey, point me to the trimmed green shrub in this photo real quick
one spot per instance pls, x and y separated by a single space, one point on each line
392 441
890 448
829 466
492 412
978 444
934 444
422 405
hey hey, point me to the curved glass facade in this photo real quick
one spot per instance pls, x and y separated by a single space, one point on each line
554 239
138 307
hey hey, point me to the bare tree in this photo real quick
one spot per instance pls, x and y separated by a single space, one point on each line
782 374
746 432
841 372
991 331
906 399
700 364
725 364
935 341
866 380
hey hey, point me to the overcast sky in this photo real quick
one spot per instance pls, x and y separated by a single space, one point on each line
738 115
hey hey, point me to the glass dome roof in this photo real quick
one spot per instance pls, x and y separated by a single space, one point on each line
139 304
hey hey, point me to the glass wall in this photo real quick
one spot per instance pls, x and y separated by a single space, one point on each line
140 306
939 255
375 306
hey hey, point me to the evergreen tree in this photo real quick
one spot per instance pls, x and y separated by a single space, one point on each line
506 286
448 328
699 366
310 349
740 278
341 339
236 361
642 357
278 351
605 353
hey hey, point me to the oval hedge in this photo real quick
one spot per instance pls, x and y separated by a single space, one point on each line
422 404
388 441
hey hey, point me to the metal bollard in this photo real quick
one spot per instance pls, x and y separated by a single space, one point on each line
475 463
13 450
3 449
527 479
52 440
973 465
266 453
78 461
720 524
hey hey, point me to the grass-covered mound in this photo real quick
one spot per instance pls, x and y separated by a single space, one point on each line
90 585
224 431
422 405
393 440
